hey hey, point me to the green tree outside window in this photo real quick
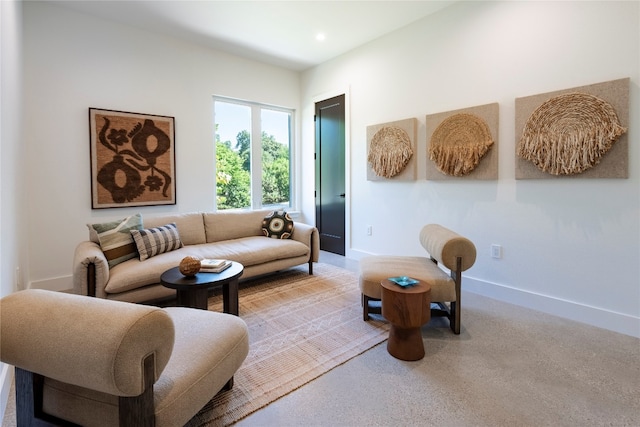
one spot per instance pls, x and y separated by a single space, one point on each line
233 166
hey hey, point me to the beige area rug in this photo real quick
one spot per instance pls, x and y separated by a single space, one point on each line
300 327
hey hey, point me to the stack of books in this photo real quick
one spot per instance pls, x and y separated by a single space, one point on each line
214 265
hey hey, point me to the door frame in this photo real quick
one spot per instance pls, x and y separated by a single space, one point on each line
347 156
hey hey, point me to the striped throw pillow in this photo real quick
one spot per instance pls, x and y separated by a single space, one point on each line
153 241
115 238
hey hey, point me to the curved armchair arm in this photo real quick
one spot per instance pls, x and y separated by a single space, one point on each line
90 270
89 342
308 235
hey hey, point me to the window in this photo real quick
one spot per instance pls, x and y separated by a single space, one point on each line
252 172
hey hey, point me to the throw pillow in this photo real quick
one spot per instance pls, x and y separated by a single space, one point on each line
115 238
277 225
154 241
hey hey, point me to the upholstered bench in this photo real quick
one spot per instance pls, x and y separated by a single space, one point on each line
96 362
453 251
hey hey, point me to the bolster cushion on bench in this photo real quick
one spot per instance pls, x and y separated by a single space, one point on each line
446 246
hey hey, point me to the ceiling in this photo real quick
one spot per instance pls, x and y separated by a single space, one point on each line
282 33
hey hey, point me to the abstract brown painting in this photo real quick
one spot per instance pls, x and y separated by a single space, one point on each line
132 159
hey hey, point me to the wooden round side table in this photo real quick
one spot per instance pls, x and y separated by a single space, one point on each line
407 309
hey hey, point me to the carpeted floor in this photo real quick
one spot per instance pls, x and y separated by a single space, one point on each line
510 366
300 326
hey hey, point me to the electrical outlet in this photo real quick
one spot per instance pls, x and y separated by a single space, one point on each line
496 251
369 230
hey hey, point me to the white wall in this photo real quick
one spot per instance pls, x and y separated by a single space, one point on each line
12 160
569 244
75 61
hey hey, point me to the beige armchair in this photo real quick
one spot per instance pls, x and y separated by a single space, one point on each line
95 362
455 252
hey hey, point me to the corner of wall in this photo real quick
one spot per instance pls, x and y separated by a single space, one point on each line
6 379
63 283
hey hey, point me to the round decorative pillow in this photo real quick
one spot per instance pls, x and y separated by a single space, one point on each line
277 225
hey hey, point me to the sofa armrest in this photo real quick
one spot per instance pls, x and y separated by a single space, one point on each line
308 234
90 270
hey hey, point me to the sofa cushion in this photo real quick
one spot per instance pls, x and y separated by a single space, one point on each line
153 241
374 269
227 225
277 225
115 238
134 274
204 358
251 250
248 251
190 226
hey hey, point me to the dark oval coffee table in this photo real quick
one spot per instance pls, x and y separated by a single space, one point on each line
193 291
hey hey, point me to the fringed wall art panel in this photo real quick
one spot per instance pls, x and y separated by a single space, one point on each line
132 159
579 132
463 144
391 149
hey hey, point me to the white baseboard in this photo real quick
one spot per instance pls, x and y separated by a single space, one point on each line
63 283
594 316
6 377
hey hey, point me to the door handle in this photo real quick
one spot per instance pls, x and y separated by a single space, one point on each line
343 195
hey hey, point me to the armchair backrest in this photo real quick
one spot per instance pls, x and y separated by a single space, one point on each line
445 246
89 342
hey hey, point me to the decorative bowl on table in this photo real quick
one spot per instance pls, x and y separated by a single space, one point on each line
403 281
189 266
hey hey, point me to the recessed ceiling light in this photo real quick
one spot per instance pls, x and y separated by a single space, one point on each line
320 37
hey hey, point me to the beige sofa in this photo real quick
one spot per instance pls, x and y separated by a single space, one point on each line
235 235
